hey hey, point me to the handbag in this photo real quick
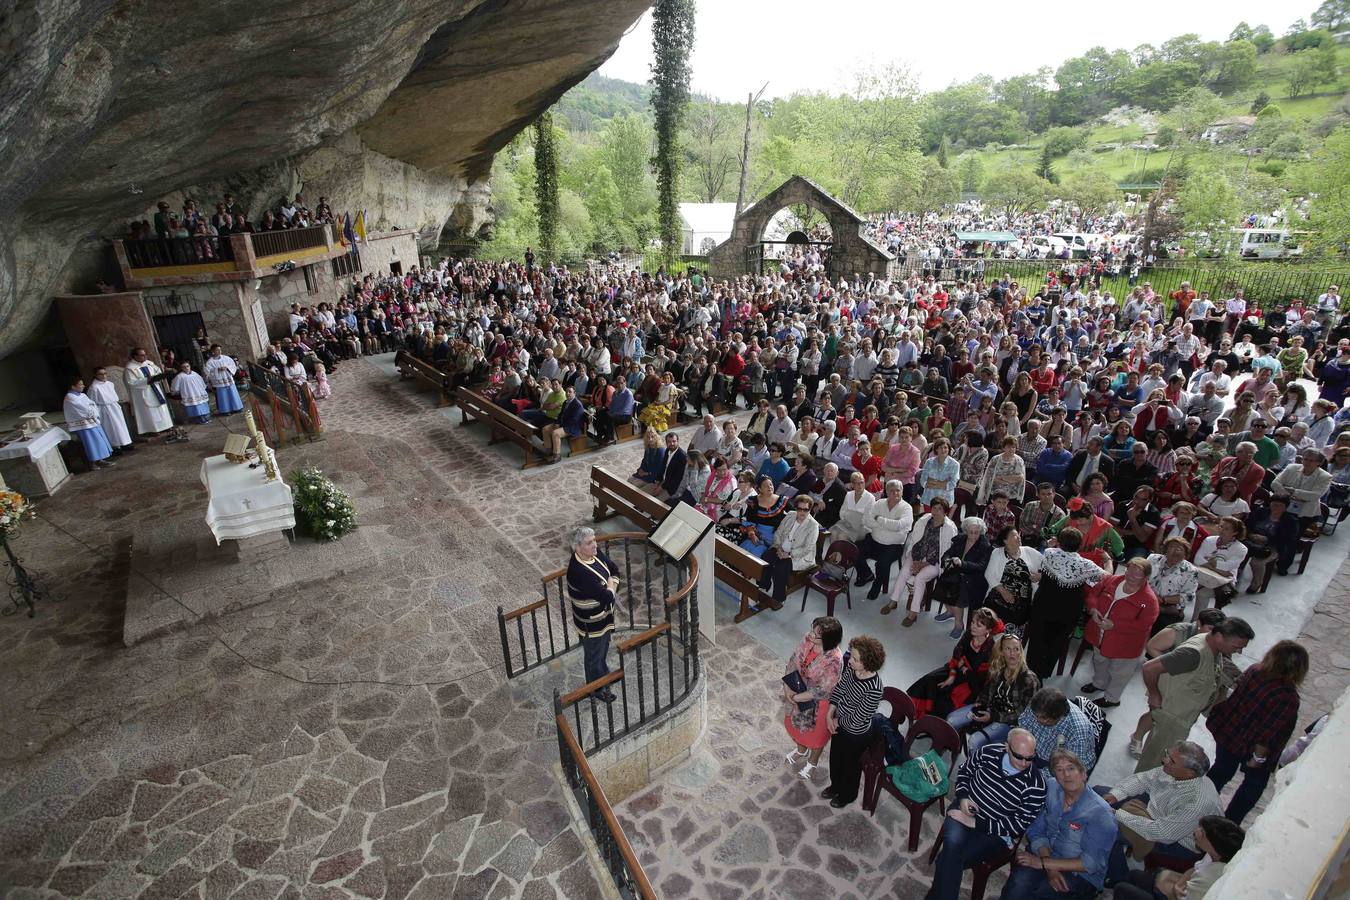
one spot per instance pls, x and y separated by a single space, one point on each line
797 684
921 779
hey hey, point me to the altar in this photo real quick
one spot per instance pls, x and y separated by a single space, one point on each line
33 466
242 504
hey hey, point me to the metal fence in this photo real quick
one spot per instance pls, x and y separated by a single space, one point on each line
1263 282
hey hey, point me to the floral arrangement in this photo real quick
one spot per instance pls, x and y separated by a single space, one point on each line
13 507
321 507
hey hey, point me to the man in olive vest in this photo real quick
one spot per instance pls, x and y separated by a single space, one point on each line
1185 682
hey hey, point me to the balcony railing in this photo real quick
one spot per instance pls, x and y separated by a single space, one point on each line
291 240
188 251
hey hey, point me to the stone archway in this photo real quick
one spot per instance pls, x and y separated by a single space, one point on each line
850 252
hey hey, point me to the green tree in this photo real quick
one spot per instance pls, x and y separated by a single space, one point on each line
1087 84
1259 102
1209 206
626 149
1332 15
711 149
1017 190
927 186
944 148
1091 190
1327 178
1263 38
605 207
1045 165
672 45
1303 72
971 173
1030 96
546 184
1232 66
1063 141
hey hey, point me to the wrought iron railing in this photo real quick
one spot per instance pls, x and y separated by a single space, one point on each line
615 851
658 669
189 251
290 240
542 631
1264 282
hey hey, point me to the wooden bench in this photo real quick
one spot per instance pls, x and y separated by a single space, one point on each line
732 565
504 424
427 375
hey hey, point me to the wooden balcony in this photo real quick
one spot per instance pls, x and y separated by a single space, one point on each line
235 257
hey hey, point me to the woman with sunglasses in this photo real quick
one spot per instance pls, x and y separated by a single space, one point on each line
793 550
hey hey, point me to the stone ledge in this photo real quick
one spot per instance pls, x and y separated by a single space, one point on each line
631 763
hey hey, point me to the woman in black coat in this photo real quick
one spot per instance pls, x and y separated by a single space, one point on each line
1272 536
961 585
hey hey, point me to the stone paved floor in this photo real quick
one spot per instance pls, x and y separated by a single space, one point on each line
357 737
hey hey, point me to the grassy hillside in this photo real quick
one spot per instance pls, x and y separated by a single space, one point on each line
1129 165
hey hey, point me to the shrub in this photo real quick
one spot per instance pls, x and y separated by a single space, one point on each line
322 509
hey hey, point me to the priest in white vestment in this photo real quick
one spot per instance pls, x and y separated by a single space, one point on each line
145 387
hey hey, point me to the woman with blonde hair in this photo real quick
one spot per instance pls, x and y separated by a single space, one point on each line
1007 691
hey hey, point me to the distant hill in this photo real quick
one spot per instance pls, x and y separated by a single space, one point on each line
590 104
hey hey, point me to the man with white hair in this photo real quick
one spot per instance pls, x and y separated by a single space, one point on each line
1159 809
707 438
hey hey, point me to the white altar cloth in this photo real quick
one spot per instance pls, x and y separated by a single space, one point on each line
242 503
36 446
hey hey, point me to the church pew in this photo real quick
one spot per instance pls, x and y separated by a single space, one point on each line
426 375
733 566
504 425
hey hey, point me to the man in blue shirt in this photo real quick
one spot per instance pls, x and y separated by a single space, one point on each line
1070 841
1053 462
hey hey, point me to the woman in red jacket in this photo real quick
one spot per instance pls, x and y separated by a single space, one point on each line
1122 609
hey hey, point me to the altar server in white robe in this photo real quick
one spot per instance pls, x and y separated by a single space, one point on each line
104 393
147 395
191 389
82 421
220 370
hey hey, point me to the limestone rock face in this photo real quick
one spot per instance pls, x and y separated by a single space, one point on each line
392 106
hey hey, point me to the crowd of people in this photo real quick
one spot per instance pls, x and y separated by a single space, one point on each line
1034 462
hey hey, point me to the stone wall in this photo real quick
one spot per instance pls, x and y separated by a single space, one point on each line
103 327
396 107
391 247
628 765
852 253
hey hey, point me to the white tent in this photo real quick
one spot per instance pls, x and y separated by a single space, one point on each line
705 225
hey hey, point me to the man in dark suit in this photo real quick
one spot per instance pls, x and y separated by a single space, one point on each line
1088 462
672 481
831 494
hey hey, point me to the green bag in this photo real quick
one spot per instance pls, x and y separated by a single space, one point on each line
921 779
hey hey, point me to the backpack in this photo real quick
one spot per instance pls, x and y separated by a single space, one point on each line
1097 716
921 779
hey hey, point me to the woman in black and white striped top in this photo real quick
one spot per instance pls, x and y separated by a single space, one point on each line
852 704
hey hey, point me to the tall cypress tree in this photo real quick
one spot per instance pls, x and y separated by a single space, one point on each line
546 185
672 45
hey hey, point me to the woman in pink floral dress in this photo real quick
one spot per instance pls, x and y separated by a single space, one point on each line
819 661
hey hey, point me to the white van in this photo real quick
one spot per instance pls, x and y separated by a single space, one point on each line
1268 243
1080 245
1045 246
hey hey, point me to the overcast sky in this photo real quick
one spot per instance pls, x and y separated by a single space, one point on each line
810 46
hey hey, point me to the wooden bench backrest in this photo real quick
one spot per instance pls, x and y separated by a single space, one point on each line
651 510
481 406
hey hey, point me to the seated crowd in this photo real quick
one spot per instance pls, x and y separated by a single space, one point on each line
1034 465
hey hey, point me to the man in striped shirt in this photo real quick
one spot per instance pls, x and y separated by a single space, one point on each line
999 793
852 704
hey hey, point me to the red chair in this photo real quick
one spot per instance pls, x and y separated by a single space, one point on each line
831 587
902 715
944 739
980 871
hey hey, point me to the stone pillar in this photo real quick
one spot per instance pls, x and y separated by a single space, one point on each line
244 258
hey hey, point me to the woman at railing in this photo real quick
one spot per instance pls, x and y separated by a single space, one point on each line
818 663
592 579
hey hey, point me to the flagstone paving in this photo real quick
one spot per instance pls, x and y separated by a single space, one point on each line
356 736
